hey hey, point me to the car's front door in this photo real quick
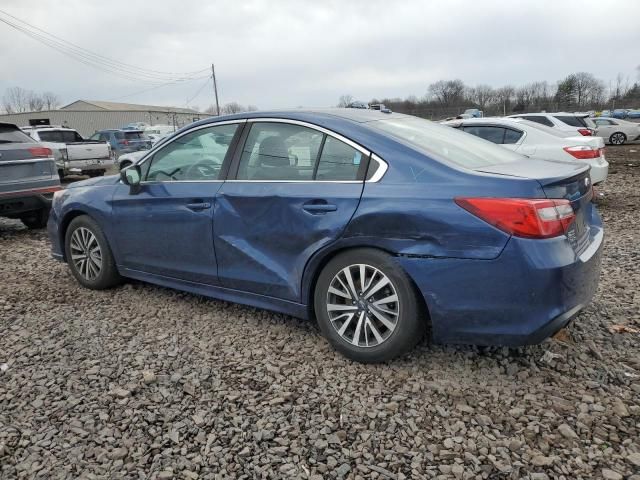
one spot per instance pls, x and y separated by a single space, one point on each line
293 190
166 228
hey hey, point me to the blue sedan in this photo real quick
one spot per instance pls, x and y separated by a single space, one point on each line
381 226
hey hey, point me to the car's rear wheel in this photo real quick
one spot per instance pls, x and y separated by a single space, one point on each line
367 307
89 256
36 219
617 138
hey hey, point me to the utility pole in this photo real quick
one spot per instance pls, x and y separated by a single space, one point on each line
215 88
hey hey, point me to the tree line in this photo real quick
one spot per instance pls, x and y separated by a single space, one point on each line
19 100
576 92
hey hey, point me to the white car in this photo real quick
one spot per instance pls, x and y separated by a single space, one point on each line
617 132
158 132
567 122
537 141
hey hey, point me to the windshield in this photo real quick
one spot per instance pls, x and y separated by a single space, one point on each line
10 134
445 143
59 136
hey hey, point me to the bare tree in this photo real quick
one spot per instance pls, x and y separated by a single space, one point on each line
35 101
15 100
482 95
345 100
447 92
51 100
588 89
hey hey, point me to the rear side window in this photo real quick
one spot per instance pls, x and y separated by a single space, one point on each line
338 161
10 134
492 134
511 136
539 119
571 120
59 136
134 135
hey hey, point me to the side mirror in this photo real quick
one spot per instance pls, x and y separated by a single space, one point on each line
132 176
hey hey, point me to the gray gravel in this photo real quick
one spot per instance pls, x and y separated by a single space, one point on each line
145 382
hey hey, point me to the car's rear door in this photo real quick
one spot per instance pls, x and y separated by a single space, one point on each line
292 190
166 228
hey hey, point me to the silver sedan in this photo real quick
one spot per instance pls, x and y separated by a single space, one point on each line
616 131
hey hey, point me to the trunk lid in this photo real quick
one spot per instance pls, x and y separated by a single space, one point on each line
559 180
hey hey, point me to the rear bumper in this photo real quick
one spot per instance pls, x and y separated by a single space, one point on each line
78 166
599 172
525 295
15 204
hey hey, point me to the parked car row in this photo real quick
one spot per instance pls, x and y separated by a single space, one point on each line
539 141
380 225
621 113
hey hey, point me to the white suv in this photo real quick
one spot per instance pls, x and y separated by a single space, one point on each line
567 122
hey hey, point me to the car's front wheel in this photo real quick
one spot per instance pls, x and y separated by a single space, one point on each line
367 307
89 256
617 138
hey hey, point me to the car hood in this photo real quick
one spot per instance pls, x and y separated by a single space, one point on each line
90 182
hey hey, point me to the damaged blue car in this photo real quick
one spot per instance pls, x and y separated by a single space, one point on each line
381 226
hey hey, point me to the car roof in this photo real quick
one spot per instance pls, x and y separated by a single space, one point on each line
358 115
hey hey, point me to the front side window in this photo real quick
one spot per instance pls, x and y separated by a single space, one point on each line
196 156
279 151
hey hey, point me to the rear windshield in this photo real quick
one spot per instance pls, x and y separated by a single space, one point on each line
131 135
445 143
571 120
9 134
59 136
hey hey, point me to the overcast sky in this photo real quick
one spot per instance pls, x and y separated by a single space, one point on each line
281 53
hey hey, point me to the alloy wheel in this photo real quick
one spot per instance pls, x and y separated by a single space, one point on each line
363 305
617 138
86 253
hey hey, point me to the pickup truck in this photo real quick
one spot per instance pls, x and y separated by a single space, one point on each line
77 156
28 177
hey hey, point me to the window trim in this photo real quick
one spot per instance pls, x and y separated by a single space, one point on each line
368 155
225 164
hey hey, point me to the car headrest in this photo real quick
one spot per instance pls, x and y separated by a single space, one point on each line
273 152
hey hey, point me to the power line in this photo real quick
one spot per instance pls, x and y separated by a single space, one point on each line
206 82
96 60
159 86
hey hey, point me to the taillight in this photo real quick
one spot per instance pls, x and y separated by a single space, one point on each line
585 132
40 151
522 217
583 152
124 142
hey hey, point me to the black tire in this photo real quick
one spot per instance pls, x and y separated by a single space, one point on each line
35 220
409 326
617 138
108 275
125 164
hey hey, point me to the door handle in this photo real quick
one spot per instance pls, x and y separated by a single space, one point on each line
198 206
319 208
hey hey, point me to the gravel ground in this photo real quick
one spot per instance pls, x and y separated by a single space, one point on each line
145 382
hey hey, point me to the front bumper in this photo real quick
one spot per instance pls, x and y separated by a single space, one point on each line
525 295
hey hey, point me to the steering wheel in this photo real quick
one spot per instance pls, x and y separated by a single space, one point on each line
202 169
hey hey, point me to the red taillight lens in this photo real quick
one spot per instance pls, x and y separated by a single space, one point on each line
522 217
585 132
124 142
40 151
582 152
